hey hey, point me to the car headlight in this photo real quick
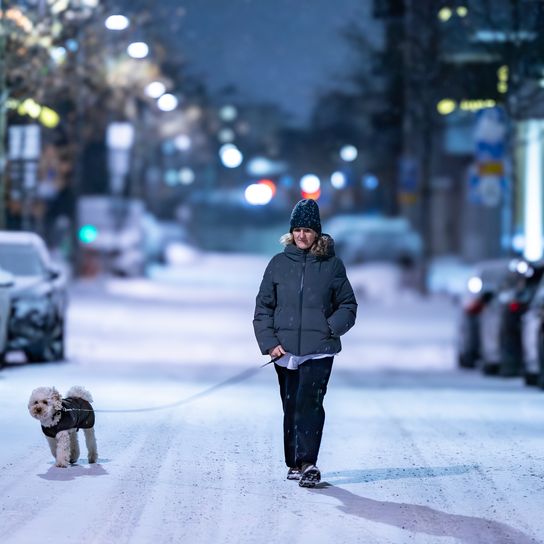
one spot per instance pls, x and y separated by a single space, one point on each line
25 305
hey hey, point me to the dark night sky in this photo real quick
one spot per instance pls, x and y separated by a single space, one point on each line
282 51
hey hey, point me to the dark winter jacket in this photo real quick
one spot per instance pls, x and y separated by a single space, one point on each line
305 303
76 414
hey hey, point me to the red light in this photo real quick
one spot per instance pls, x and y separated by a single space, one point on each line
269 183
474 307
313 196
514 306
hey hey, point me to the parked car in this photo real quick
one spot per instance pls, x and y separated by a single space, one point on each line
111 232
6 282
482 284
360 239
500 328
37 298
532 334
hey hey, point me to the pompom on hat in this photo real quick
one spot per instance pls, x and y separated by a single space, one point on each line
305 215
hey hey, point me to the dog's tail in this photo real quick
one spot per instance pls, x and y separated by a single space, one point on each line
80 393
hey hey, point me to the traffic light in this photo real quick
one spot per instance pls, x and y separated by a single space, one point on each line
88 234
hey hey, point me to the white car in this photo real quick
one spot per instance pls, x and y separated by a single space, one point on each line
37 298
360 239
6 281
532 332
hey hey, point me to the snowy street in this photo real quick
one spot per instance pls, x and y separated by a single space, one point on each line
414 450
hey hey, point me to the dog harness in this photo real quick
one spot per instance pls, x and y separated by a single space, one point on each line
76 414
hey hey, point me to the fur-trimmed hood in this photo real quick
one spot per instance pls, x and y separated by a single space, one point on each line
323 246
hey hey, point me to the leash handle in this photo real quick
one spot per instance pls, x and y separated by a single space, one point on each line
273 360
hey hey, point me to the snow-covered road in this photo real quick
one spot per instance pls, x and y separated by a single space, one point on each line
413 450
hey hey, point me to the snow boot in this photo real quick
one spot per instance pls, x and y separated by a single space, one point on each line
293 473
310 476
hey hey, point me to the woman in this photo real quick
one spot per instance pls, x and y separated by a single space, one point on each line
305 303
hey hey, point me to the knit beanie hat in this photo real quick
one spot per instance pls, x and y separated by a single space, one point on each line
306 215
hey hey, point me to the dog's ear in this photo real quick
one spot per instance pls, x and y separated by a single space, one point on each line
57 399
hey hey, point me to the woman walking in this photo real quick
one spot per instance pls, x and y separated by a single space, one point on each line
305 303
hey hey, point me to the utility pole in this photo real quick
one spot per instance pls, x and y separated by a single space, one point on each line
3 117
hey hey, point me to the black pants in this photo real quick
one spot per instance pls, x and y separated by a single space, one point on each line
302 392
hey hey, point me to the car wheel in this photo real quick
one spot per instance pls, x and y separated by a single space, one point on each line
490 369
466 360
51 348
540 375
530 379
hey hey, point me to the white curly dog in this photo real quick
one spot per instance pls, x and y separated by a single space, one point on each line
61 418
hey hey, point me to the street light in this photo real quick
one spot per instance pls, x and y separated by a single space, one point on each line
117 22
155 89
348 153
138 50
167 102
230 155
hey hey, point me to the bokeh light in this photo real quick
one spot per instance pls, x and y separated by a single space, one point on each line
116 22
167 102
338 180
348 153
230 155
258 194
138 50
155 89
310 183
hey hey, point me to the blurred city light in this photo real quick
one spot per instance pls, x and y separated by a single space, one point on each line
167 102
258 166
88 234
186 176
182 142
155 89
348 153
120 135
228 113
502 76
445 14
19 18
475 284
370 182
29 107
226 135
171 177
58 54
230 155
310 183
314 196
446 106
49 118
518 242
72 45
59 6
462 11
338 180
258 194
522 267
533 192
475 105
116 22
269 183
138 50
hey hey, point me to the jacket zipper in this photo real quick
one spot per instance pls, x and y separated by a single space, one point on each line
300 303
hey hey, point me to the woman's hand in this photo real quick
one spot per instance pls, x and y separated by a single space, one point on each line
278 351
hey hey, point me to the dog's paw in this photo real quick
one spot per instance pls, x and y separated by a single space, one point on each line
93 458
61 465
